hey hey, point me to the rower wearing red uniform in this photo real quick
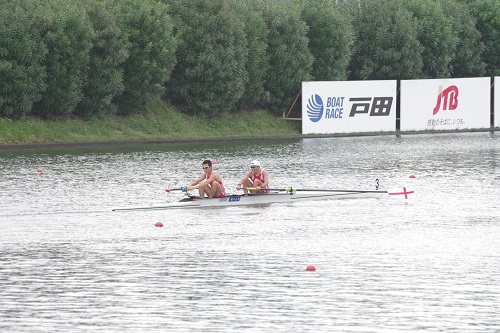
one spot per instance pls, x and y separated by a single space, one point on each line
257 178
210 182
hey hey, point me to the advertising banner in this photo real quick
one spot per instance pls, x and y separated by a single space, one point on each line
496 101
445 104
348 106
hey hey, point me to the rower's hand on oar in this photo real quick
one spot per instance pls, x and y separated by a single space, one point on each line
189 188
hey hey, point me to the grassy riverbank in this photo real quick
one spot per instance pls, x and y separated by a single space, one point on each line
159 122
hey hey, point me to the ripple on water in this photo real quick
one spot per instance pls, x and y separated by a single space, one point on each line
67 263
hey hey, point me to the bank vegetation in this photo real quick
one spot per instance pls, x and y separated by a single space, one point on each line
97 61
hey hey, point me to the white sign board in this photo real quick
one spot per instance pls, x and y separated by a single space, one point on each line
496 101
445 104
348 106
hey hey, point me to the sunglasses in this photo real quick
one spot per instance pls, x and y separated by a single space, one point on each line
204 168
253 166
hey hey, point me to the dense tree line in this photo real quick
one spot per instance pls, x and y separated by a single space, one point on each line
90 58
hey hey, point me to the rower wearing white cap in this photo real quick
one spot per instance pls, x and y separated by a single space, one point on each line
257 178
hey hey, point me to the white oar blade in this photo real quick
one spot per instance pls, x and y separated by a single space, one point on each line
401 193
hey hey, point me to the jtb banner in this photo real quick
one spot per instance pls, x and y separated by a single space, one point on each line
348 106
445 104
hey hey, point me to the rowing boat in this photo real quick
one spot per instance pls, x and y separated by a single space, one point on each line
276 196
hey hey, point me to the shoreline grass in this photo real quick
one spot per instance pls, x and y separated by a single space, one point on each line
162 122
159 122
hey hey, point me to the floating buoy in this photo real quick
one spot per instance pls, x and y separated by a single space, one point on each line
159 224
310 268
39 170
412 176
215 162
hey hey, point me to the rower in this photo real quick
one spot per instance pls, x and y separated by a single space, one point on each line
257 178
210 182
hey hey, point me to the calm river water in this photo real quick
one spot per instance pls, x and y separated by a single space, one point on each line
68 263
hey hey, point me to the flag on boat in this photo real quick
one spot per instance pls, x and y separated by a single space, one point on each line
401 193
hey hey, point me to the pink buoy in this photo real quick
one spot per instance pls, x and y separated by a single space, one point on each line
310 268
412 176
159 224
215 162
39 170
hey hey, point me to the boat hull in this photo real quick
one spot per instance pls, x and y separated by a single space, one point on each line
260 199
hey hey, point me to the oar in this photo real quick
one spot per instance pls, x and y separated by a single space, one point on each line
328 190
182 188
287 189
293 189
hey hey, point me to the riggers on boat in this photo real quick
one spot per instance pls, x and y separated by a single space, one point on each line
275 196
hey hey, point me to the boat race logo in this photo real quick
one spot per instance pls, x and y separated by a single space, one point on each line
334 107
371 106
315 108
447 99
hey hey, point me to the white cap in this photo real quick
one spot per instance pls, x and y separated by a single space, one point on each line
255 163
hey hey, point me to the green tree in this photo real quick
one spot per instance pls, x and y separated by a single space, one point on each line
487 14
289 55
257 61
386 45
210 74
468 56
68 38
152 53
331 37
22 55
104 80
435 33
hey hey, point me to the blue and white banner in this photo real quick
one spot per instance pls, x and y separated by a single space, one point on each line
445 104
348 106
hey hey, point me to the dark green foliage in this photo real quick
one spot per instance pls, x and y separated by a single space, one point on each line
211 71
289 56
22 52
331 37
68 40
152 53
257 62
487 15
435 33
104 79
468 56
386 45
99 57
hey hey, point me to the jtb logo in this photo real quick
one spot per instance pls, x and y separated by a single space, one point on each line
381 106
449 96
